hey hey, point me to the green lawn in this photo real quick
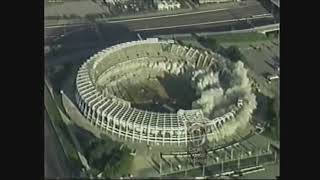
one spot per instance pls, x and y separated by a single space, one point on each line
240 37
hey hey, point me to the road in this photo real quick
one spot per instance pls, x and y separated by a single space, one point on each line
205 16
55 162
222 15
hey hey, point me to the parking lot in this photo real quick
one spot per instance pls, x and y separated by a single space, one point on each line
236 156
261 58
80 8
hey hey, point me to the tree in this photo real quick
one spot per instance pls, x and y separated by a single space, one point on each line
201 39
94 172
214 44
195 35
233 53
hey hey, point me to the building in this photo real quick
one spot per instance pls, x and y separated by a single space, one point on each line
215 1
96 87
167 4
115 1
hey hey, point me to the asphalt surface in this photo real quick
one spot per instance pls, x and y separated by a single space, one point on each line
55 163
219 27
212 20
207 16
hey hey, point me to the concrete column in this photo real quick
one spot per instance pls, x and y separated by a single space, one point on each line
225 155
222 166
118 119
239 157
113 119
178 133
257 159
89 113
96 108
160 164
232 154
81 105
92 103
186 133
121 120
141 126
157 125
103 118
149 127
163 135
178 48
133 131
127 128
171 130
100 108
205 60
85 109
134 123
194 53
199 59
107 115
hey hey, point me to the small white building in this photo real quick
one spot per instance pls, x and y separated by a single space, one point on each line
115 1
167 4
214 1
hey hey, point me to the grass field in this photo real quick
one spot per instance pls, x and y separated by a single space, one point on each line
240 37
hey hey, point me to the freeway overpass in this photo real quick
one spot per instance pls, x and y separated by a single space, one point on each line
268 28
276 3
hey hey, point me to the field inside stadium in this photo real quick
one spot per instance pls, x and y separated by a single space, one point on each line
161 94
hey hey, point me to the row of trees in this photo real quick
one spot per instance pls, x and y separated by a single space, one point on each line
272 116
107 156
56 74
91 16
71 16
232 52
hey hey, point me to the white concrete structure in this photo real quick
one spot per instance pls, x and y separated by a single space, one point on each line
167 4
96 96
214 1
115 1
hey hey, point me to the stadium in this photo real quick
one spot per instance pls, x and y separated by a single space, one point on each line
110 95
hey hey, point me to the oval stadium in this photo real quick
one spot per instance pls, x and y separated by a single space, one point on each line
124 91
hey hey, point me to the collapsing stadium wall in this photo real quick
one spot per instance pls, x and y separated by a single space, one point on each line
219 90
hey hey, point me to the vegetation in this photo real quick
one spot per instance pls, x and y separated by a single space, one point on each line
273 119
56 74
213 44
232 52
55 116
106 156
241 37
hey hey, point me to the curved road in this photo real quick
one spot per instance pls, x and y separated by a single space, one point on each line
55 162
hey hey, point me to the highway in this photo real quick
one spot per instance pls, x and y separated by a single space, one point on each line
193 19
199 24
86 36
55 162
185 19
